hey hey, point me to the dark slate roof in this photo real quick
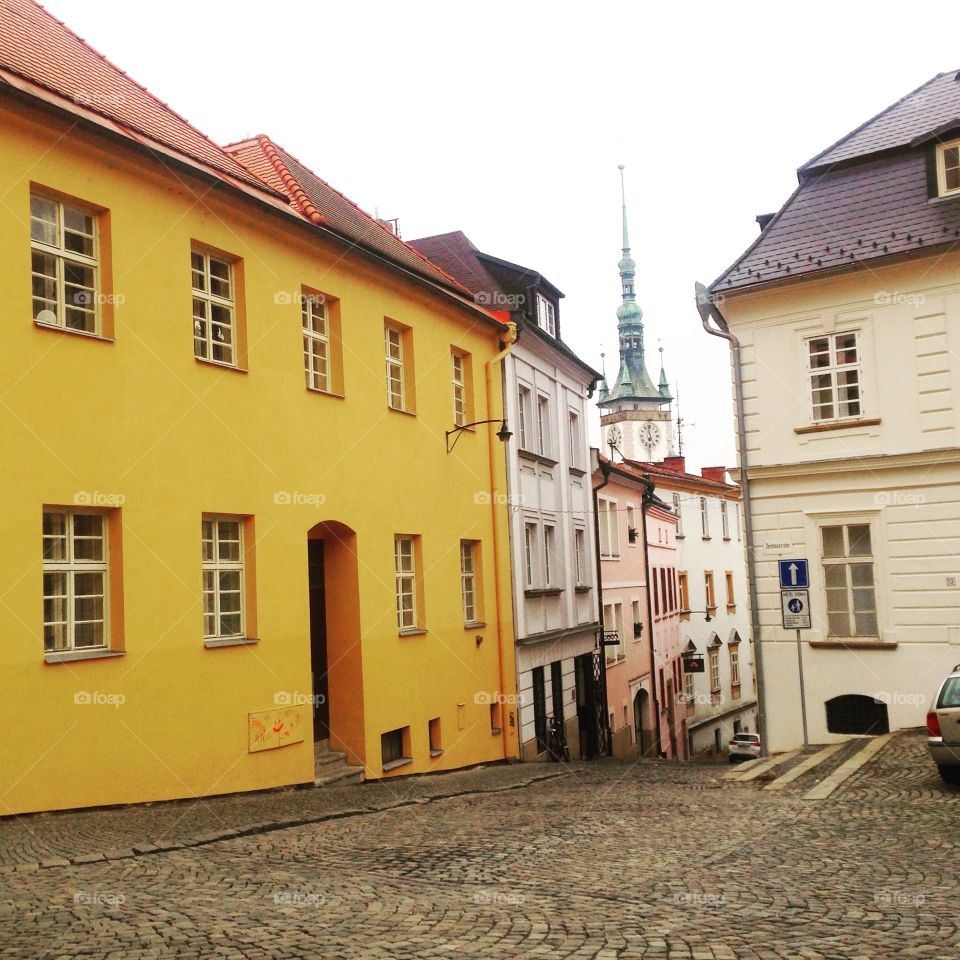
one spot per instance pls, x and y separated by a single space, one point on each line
929 106
486 276
863 199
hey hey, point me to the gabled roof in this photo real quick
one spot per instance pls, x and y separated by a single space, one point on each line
36 46
321 203
863 199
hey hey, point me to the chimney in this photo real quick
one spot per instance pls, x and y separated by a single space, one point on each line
763 219
392 225
677 464
716 474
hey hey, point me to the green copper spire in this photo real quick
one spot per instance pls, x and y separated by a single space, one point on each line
664 383
633 381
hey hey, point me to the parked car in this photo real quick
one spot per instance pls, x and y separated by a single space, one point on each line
943 728
744 746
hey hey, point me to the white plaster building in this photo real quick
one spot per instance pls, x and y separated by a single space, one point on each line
552 533
847 310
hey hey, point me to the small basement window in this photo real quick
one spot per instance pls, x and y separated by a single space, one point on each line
948 168
394 747
435 748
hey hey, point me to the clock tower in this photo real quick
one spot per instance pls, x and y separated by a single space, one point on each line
635 415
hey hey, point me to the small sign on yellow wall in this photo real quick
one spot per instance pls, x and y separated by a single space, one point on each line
270 729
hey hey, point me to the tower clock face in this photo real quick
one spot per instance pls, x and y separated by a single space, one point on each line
614 437
649 435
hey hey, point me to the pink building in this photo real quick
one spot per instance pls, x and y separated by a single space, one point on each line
638 575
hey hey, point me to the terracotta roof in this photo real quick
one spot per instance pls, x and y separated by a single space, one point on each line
460 258
863 199
321 203
36 46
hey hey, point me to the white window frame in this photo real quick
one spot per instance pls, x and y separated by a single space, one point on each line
62 257
631 525
834 370
689 688
316 341
676 510
725 519
72 567
396 374
543 425
531 554
734 664
524 398
468 580
580 554
551 574
714 659
546 315
704 518
847 561
214 565
573 426
954 147
405 570
204 345
709 589
608 520
458 380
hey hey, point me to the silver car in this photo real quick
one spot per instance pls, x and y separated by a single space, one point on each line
943 728
744 746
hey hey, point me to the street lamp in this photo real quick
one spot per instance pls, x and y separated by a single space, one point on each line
503 434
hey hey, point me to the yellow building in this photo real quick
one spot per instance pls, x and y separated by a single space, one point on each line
231 524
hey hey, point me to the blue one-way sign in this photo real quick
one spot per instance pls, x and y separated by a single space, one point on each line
794 575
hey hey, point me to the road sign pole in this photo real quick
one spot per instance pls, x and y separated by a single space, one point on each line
803 696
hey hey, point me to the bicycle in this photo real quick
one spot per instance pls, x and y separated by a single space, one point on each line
557 746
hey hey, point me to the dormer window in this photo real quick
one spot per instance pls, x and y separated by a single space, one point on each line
546 315
948 168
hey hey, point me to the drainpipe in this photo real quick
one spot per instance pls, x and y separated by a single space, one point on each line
509 337
604 469
644 504
707 308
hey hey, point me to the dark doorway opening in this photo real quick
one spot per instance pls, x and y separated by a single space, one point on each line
539 709
856 713
318 642
586 706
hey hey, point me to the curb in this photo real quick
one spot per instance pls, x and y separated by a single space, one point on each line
255 829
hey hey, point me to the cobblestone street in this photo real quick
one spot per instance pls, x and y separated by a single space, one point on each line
609 860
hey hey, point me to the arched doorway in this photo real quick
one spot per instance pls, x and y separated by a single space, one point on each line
856 713
335 656
643 725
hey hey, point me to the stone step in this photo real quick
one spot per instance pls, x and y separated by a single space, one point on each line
328 757
338 774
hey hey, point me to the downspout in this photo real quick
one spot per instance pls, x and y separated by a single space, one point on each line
644 504
605 473
707 308
509 337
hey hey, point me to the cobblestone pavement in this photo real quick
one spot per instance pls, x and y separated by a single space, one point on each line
610 861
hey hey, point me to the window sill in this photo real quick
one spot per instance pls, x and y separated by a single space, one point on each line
394 764
212 643
412 632
731 608
582 588
706 537
56 328
433 755
726 539
577 472
496 731
543 592
680 536
326 393
838 425
406 413
861 644
536 457
473 625
221 365
68 656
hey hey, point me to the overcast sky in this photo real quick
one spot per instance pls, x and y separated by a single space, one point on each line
507 120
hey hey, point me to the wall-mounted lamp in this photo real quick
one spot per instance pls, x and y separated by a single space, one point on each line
503 434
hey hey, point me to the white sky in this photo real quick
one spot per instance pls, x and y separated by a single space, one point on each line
507 120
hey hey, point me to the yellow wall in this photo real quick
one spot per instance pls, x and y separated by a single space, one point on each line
140 418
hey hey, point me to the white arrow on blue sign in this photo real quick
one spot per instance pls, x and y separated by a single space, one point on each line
794 575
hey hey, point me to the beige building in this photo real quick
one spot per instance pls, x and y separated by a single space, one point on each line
847 314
